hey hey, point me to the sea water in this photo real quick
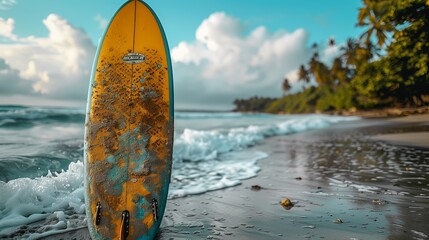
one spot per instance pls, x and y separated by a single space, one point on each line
41 168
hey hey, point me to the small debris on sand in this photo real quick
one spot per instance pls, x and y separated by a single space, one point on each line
338 221
256 187
286 203
379 202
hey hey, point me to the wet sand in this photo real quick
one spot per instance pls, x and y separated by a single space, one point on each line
415 139
350 181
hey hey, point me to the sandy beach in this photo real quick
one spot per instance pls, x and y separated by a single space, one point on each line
360 180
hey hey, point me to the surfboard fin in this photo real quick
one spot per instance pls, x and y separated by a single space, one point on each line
125 225
155 209
98 213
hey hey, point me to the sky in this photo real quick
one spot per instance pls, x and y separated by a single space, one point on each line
221 50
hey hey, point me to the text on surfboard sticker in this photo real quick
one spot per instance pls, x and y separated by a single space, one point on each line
133 58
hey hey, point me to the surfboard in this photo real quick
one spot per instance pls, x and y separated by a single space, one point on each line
129 127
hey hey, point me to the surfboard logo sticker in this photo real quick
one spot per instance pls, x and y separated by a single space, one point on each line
134 58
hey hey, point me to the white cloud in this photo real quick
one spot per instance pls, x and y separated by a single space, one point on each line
10 81
102 22
330 53
6 4
6 28
224 63
33 73
56 66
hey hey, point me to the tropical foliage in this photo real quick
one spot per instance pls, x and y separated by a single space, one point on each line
286 85
253 104
393 72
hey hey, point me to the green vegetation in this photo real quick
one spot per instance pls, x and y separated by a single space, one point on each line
362 77
253 104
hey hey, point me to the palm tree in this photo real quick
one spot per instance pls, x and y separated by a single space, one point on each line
303 74
339 72
373 15
350 51
314 46
286 86
319 70
316 56
368 51
356 54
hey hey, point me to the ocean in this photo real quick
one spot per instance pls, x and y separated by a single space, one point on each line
41 154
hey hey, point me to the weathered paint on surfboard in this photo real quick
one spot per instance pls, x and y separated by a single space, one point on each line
129 126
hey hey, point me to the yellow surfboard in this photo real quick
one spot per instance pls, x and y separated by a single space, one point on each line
129 127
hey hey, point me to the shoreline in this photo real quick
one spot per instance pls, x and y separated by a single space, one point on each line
329 202
385 113
412 139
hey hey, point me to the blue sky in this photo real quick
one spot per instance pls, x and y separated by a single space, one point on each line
269 23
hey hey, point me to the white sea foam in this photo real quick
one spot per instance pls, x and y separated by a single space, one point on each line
354 186
196 145
420 234
208 115
24 201
6 121
226 170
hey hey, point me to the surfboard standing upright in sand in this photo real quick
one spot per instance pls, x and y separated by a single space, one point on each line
129 127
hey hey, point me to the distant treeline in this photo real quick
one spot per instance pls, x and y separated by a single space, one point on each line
393 72
253 104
